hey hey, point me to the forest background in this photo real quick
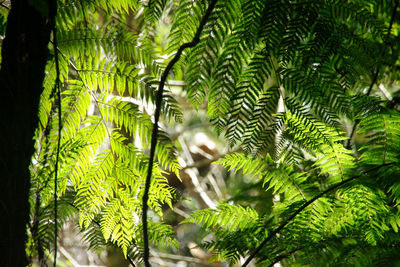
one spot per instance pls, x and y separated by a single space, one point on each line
277 127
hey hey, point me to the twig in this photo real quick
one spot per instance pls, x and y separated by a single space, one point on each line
193 176
353 130
385 92
187 259
131 261
284 256
376 74
69 257
305 205
214 184
154 134
3 5
181 212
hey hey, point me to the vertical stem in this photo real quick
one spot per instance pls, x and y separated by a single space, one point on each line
53 12
195 41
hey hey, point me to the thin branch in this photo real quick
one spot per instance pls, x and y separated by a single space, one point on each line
53 13
214 184
393 17
353 130
187 259
193 176
284 256
69 257
154 134
385 92
376 74
3 5
305 205
131 261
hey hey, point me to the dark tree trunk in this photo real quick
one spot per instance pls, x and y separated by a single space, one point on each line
24 54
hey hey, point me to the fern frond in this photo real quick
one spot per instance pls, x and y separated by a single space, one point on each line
279 177
252 19
342 10
120 6
188 16
332 157
76 101
171 108
108 76
383 133
88 41
118 222
93 191
251 85
225 216
128 116
262 119
235 54
202 59
335 160
359 207
162 234
154 10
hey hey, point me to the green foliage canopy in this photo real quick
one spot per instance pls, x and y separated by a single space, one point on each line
281 80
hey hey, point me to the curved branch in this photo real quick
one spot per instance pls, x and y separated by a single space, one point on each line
284 256
195 41
375 77
305 205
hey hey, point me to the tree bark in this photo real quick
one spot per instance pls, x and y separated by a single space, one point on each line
24 55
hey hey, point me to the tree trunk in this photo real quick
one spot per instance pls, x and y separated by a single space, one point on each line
24 55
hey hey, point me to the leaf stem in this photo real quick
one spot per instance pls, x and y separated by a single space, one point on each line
194 42
305 205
